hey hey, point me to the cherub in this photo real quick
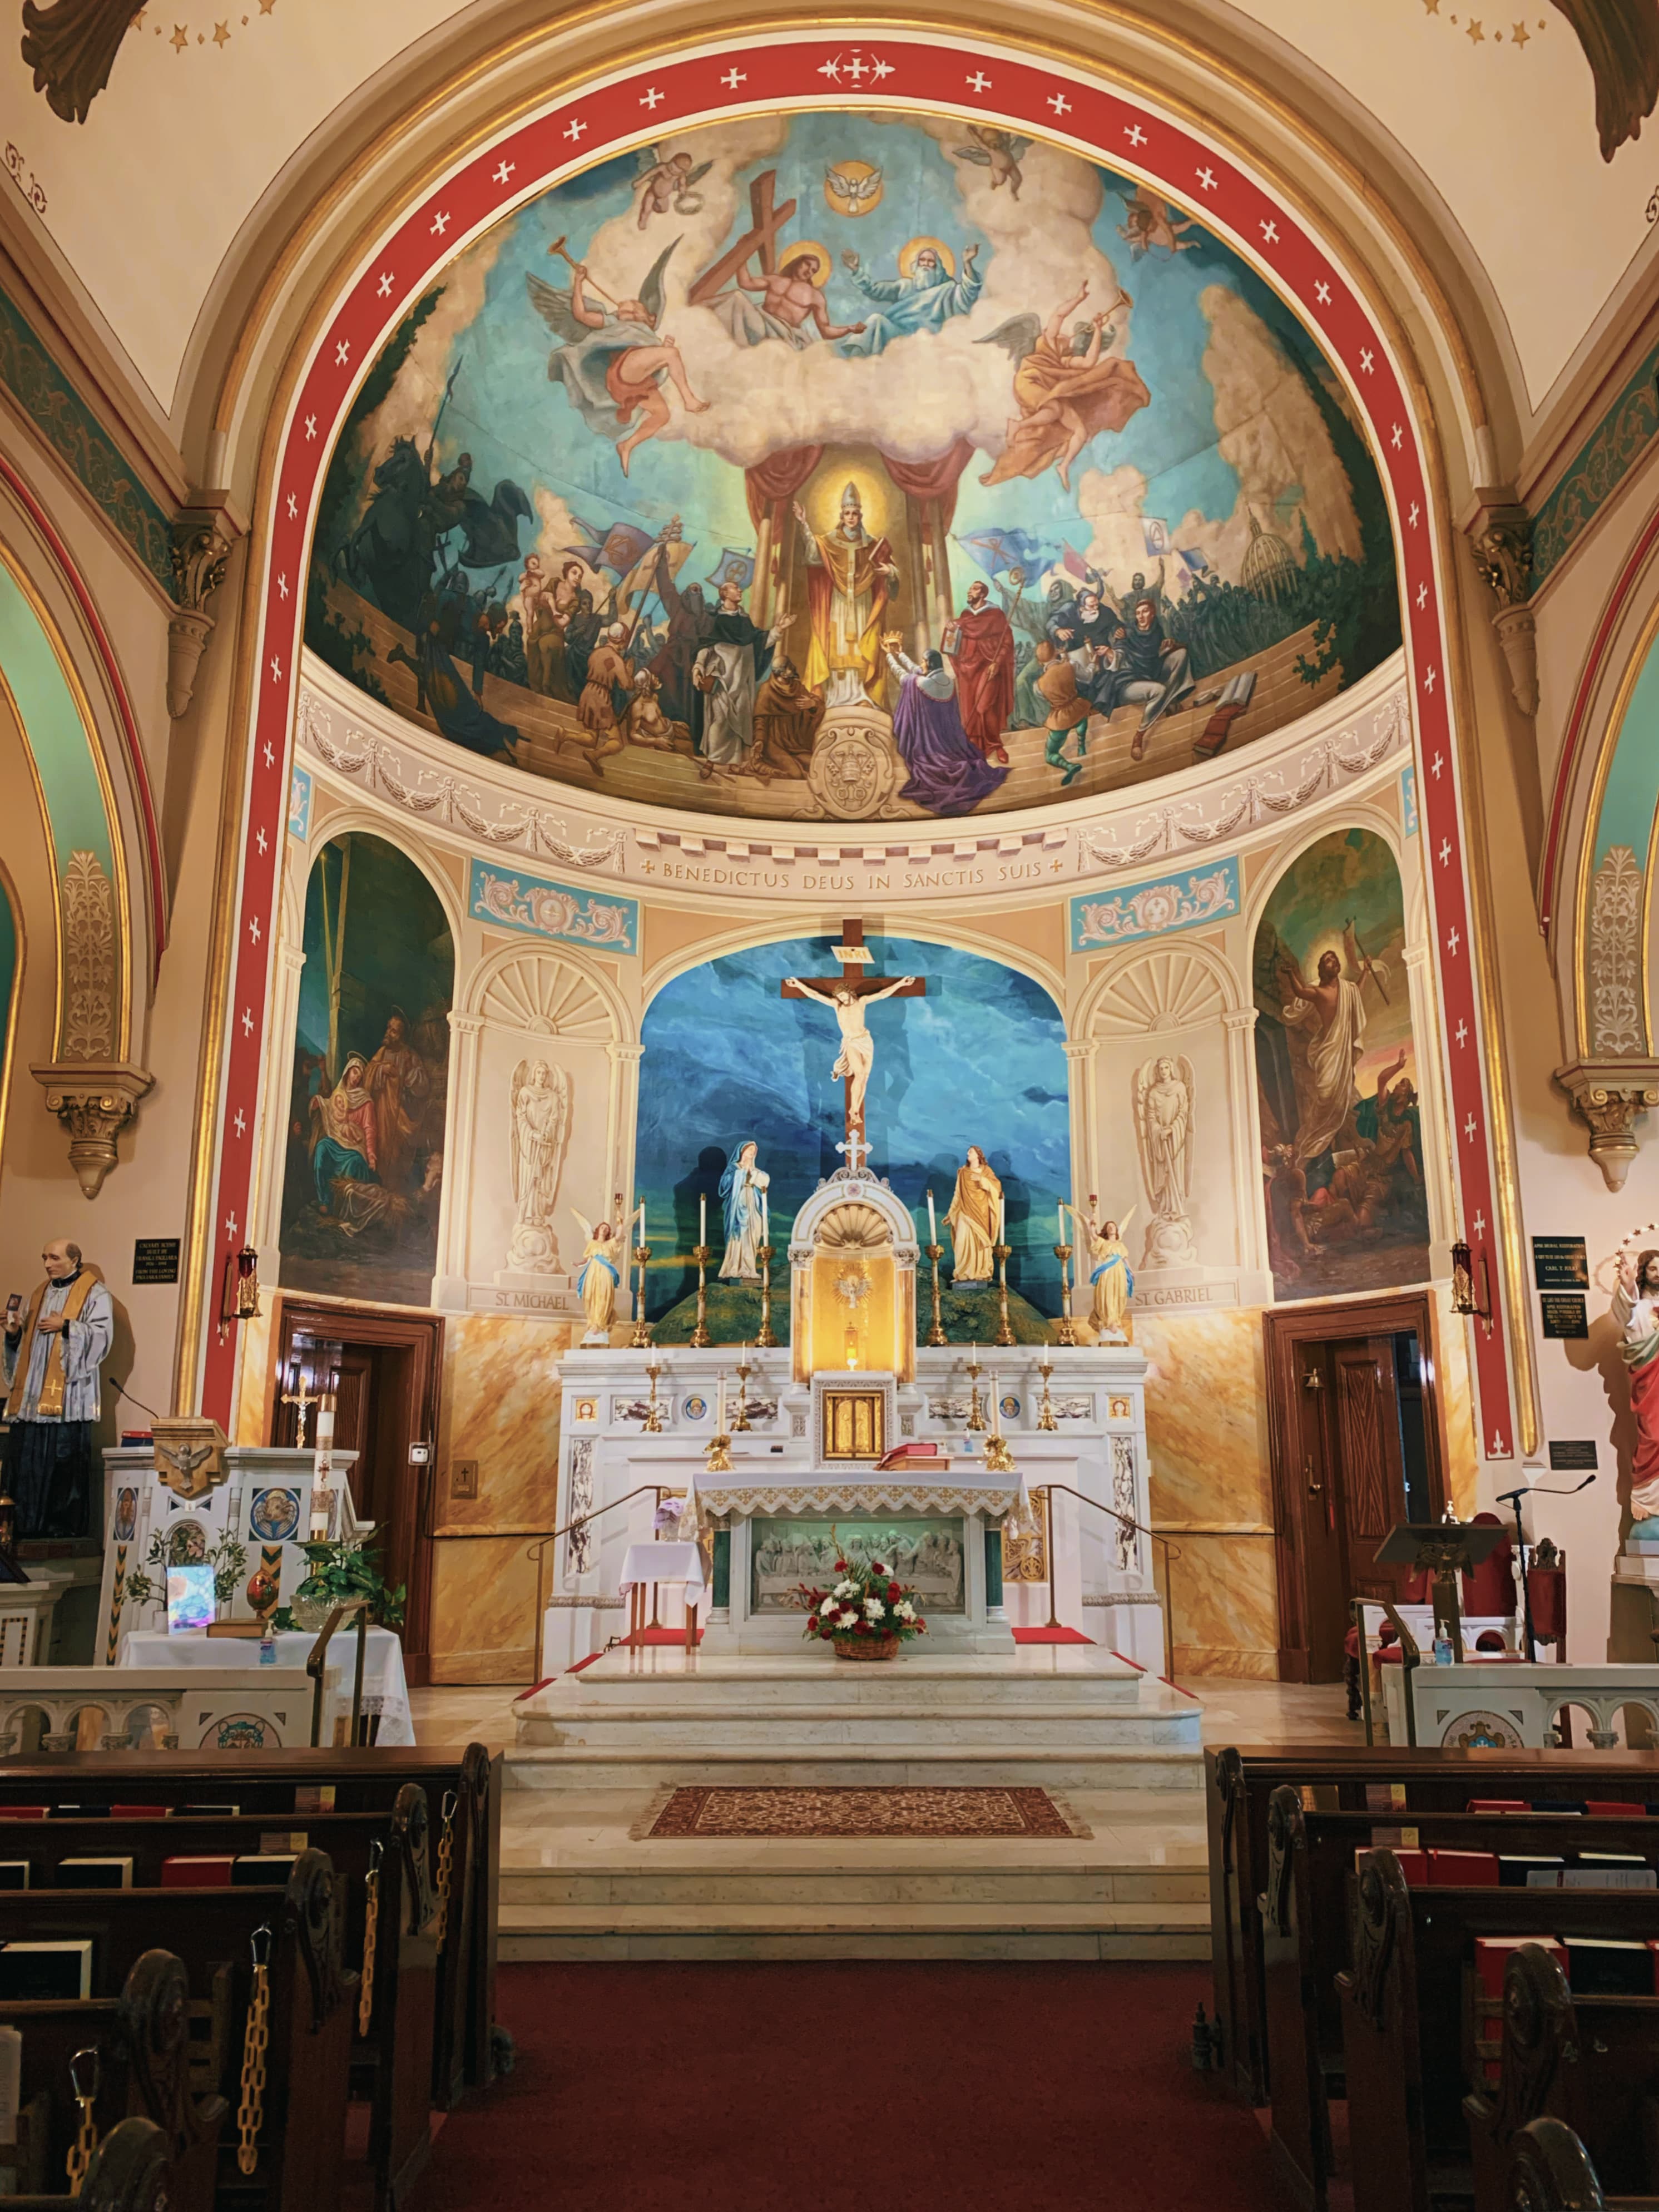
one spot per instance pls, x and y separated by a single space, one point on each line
999 151
665 185
613 359
1151 223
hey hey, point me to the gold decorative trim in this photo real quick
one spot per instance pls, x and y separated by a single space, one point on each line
9 1047
1584 870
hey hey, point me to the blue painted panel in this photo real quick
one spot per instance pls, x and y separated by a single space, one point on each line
1151 909
513 900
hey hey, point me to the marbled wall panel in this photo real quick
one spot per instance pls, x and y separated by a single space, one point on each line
483 1599
1456 1403
1225 1616
1206 1423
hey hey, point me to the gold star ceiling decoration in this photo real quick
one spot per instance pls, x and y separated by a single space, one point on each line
181 36
1474 29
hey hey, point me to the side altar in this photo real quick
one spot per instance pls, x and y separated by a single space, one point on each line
807 1426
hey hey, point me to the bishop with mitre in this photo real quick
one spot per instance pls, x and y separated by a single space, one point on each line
52 1355
850 578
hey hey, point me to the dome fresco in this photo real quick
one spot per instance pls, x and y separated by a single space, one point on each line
851 464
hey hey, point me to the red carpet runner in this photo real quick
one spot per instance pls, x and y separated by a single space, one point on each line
947 2087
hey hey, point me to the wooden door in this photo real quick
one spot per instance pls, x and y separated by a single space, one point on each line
1334 1446
1371 1467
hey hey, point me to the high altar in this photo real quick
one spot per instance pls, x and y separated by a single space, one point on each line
807 1427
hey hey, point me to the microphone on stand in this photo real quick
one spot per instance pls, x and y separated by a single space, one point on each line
1515 1498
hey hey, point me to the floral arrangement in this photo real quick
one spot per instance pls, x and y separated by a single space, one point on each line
867 1601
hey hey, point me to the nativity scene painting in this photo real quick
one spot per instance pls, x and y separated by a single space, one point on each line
363 1176
853 465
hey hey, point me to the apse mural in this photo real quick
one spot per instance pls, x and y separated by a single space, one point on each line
365 1155
979 1059
1336 1075
851 466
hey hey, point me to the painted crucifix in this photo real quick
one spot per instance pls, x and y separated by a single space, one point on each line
847 995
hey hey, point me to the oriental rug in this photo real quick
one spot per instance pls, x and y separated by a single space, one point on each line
896 1812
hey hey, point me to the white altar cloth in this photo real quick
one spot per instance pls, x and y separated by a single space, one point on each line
647 1563
385 1690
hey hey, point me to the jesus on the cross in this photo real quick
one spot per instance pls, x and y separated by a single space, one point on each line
846 996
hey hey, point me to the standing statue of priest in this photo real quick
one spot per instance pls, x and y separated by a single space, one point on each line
52 1355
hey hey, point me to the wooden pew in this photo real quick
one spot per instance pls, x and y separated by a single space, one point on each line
392 2063
297 2130
464 1794
1407 2060
131 2171
133 2060
1239 1785
1592 2062
1550 2171
1305 1912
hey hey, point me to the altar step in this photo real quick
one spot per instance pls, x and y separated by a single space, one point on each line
885 1932
1068 1765
789 1729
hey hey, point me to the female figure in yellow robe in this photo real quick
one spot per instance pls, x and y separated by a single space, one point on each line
598 1278
975 1217
1114 1282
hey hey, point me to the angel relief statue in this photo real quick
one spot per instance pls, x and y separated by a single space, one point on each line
614 358
540 1119
1164 1133
1067 388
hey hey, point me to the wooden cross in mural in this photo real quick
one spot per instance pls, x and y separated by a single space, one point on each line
758 242
847 995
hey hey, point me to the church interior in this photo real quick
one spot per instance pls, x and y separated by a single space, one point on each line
725 1404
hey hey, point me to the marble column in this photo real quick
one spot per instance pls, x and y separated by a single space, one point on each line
455 1207
622 1120
267 1226
1244 1118
1081 1100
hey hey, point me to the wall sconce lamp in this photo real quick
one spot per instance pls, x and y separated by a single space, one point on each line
1463 1298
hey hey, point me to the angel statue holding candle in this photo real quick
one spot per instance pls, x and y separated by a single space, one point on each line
600 1276
743 1186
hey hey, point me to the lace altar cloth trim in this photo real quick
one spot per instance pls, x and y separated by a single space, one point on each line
1122 1598
855 1497
922 1813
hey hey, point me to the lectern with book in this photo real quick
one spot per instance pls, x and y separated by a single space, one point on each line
1443 1550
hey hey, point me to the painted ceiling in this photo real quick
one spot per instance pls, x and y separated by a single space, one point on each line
244 88
1037 376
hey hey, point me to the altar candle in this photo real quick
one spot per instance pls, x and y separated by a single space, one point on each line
1002 1221
1061 1238
996 1407
702 1218
640 1238
719 1416
932 1221
766 1229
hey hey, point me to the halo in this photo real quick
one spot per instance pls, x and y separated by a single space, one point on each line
823 497
907 259
822 264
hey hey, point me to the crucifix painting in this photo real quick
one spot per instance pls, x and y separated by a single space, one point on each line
847 995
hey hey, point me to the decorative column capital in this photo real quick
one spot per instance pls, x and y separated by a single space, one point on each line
465 1025
94 1100
203 539
1240 1018
624 1055
1500 538
1608 1095
1084 1048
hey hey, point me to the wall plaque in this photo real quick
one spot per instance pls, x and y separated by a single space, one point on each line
1564 1314
1573 1455
1558 1263
156 1260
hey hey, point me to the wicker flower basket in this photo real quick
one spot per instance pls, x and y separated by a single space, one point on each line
867 1647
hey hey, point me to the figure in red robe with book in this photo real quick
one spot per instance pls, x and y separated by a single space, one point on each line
984 657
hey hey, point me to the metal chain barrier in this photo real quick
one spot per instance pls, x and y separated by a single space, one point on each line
85 2075
371 1929
251 2113
445 1862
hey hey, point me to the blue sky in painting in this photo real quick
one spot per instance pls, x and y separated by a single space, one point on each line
979 1060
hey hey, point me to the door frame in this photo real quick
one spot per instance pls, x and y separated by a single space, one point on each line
421 1335
1285 1331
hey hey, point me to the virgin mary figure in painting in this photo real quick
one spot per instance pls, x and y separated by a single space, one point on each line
976 1217
344 1141
948 775
742 1187
1636 1310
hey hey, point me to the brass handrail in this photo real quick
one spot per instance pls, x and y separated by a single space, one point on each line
1124 1520
316 1663
537 1552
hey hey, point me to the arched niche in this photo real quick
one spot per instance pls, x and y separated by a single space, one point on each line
366 1125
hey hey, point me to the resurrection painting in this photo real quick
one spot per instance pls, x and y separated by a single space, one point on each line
1336 1075
979 1060
364 1170
851 466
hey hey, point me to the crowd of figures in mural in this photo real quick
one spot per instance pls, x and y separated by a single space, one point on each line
1012 479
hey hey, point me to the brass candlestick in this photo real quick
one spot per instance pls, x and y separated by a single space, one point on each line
936 1334
1005 1328
702 1253
717 1459
742 1420
765 1340
642 1338
1065 1327
1046 1418
652 1423
999 1460
975 1416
